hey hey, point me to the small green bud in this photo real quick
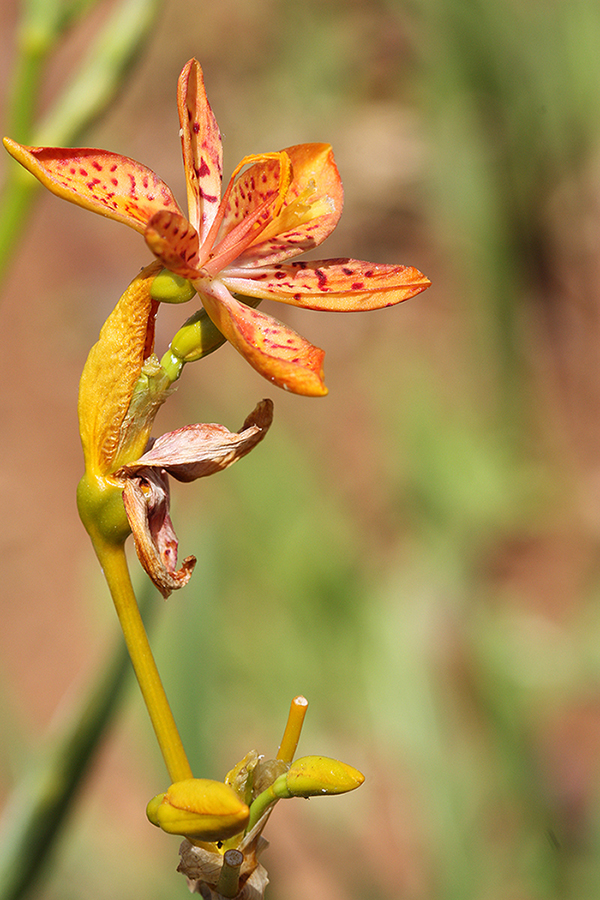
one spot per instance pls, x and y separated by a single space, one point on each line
196 338
152 808
170 288
311 776
199 809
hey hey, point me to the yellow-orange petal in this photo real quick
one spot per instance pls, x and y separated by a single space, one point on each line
336 285
277 352
111 372
106 183
310 211
174 241
202 148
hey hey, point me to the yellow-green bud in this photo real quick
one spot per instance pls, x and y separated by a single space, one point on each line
197 337
170 288
311 776
199 809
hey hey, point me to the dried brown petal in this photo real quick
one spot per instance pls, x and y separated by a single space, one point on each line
198 450
186 454
146 499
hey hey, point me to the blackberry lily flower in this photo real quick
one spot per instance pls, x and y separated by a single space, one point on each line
126 486
276 206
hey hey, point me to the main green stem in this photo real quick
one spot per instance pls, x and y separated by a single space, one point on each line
114 564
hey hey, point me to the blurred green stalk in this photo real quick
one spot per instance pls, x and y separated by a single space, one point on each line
88 94
37 809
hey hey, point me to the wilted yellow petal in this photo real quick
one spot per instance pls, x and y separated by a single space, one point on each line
200 809
111 372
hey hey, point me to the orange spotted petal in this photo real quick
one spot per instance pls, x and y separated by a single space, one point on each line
107 183
175 242
310 211
202 148
250 203
338 285
273 349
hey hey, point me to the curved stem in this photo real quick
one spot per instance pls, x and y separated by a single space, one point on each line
259 806
114 564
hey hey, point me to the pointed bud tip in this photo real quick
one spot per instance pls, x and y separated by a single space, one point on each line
312 776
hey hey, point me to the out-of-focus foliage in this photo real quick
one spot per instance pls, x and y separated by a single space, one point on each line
417 553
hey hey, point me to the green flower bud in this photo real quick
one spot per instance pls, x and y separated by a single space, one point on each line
311 776
152 808
199 809
170 288
196 338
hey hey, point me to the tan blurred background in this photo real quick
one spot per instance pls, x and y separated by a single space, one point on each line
418 552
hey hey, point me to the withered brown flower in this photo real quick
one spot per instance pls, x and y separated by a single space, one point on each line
186 454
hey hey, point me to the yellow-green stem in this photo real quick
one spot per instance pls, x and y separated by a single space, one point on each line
229 879
293 727
114 564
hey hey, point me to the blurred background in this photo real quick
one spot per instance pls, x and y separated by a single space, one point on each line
417 553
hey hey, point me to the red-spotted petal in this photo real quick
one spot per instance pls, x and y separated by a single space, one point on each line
310 211
338 285
250 203
107 183
175 242
202 148
259 183
273 349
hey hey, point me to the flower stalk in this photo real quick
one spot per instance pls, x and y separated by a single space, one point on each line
114 565
229 879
